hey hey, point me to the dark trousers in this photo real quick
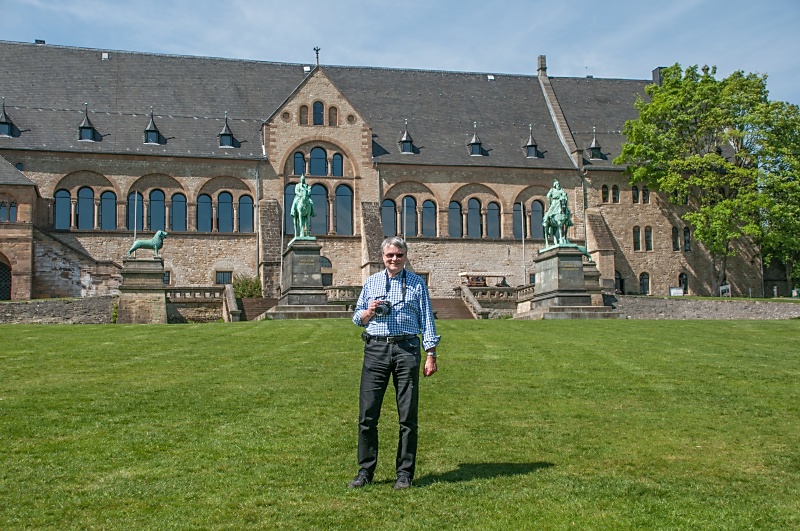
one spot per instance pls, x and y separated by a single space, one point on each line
401 361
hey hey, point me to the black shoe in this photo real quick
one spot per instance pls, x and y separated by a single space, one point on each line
403 482
361 480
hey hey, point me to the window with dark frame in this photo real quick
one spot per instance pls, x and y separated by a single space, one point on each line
224 277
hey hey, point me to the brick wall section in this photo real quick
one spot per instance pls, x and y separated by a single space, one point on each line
662 308
270 219
93 310
662 263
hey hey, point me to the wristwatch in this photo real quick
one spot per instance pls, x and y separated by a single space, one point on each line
432 354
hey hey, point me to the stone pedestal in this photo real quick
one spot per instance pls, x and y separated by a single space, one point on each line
566 288
302 276
141 294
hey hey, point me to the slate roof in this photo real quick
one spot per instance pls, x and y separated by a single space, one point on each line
46 86
441 108
604 104
9 174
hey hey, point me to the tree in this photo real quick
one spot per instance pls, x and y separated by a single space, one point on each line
779 183
697 138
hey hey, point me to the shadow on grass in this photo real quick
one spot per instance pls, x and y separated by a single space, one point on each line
470 471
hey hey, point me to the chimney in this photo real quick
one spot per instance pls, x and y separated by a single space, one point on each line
658 79
542 69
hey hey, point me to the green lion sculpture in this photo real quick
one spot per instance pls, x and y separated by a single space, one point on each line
155 243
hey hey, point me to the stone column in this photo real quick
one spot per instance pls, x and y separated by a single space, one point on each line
235 217
442 222
96 214
399 220
464 222
484 229
419 221
145 210
167 212
214 223
73 204
331 220
191 217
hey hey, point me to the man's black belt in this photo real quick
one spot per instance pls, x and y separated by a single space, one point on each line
391 339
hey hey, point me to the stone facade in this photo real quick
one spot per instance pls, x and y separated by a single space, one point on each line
222 202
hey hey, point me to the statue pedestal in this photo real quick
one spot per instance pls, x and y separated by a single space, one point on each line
141 294
302 276
566 288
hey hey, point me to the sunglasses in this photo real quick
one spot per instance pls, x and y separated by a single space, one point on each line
394 255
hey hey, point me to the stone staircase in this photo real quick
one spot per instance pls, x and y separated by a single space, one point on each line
451 309
253 307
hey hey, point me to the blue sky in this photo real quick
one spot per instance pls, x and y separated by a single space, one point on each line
612 38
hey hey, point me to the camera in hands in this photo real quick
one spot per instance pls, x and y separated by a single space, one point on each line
383 309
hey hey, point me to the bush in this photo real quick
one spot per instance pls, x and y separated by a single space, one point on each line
246 287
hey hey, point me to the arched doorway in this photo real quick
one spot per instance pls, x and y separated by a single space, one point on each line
5 282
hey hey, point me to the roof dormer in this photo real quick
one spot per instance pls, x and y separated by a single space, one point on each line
531 149
226 138
151 133
406 142
86 131
475 146
7 127
595 151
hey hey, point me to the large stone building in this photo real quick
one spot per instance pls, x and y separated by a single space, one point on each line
95 142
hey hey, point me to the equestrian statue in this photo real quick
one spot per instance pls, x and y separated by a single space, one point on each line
302 210
558 217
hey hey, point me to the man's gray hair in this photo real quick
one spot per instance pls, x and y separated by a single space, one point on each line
394 241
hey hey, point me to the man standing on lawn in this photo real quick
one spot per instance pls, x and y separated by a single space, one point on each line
395 308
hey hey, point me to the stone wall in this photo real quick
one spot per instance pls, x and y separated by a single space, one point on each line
676 308
89 310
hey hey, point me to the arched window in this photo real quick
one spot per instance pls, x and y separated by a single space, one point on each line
615 194
326 268
604 193
408 217
648 238
537 216
644 284
108 210
429 218
519 221
338 165
299 164
635 194
288 199
454 219
343 210
11 214
676 241
319 162
319 196
61 210
319 113
645 195
177 213
637 246
3 212
493 220
157 211
333 116
303 115
388 218
85 210
687 240
135 211
5 282
225 212
245 214
683 281
204 212
474 220
619 283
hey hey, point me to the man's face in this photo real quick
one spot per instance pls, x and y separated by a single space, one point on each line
394 259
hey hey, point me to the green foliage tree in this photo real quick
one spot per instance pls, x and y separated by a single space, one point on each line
780 188
246 287
697 138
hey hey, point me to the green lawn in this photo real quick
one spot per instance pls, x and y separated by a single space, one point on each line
527 425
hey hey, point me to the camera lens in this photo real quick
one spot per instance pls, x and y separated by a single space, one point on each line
382 309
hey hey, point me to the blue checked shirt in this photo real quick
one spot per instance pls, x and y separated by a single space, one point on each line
412 316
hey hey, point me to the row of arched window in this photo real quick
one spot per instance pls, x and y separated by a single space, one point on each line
644 283
472 222
8 212
211 214
676 239
635 195
317 163
318 114
648 239
332 216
